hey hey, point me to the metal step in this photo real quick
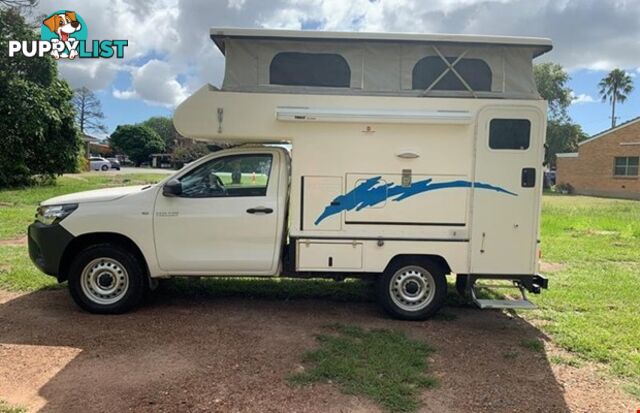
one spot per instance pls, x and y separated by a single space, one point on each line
509 304
505 304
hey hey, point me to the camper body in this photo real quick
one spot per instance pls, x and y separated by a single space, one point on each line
370 178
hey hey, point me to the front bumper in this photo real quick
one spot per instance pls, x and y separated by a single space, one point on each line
47 244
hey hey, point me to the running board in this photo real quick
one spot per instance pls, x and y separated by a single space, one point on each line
488 304
505 304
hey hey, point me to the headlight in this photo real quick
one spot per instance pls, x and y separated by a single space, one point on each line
52 214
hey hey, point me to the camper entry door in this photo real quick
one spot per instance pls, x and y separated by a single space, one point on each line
507 190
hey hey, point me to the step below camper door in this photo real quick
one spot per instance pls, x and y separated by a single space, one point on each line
507 190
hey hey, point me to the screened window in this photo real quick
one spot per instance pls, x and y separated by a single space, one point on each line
476 72
509 134
626 166
309 69
235 175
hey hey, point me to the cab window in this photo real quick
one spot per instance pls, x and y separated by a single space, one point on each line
230 176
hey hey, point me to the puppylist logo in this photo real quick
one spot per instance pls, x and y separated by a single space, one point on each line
63 35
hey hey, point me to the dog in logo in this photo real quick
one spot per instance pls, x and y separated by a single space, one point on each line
63 25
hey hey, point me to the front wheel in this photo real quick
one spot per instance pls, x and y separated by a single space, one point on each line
105 168
411 290
106 279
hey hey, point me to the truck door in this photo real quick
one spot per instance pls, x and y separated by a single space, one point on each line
225 220
507 190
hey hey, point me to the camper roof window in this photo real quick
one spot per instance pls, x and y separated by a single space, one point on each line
309 69
475 72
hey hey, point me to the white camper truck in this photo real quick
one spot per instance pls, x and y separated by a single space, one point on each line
412 157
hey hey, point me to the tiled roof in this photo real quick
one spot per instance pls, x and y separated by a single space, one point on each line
606 132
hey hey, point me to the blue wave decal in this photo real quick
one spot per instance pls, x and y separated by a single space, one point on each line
370 193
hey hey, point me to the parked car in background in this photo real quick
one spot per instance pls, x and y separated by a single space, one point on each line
549 178
115 163
97 163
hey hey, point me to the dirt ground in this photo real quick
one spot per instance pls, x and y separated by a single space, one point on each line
233 355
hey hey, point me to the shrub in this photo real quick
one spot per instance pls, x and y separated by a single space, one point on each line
565 188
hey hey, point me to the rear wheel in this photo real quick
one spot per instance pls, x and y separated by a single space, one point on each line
411 290
106 279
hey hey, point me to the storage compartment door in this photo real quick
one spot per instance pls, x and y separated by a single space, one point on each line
322 256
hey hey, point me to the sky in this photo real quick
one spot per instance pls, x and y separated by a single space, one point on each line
170 55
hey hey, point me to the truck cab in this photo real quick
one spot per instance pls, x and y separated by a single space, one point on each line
248 189
402 158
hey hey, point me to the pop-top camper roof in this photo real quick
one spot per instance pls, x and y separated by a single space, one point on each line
393 64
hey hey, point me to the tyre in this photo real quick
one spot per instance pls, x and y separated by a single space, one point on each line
412 290
104 167
107 279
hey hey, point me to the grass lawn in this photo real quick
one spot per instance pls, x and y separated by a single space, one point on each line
6 408
592 307
383 365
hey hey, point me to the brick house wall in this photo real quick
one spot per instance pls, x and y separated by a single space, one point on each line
592 171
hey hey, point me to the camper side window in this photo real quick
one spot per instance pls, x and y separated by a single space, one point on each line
309 69
512 134
230 176
475 72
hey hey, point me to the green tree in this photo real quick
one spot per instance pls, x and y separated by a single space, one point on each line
163 126
562 134
189 153
38 136
136 141
615 87
551 80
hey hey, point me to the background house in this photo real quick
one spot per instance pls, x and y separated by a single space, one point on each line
94 146
606 164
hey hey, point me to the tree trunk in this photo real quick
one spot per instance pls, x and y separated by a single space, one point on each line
82 115
613 110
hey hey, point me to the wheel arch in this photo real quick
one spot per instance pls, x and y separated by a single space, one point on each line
85 240
439 260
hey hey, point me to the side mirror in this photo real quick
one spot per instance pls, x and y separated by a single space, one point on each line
172 188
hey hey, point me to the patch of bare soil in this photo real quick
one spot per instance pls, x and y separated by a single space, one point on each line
547 267
14 241
589 384
234 354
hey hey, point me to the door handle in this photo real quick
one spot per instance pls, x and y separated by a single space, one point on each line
259 210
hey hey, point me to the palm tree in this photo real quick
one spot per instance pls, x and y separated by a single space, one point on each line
615 87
